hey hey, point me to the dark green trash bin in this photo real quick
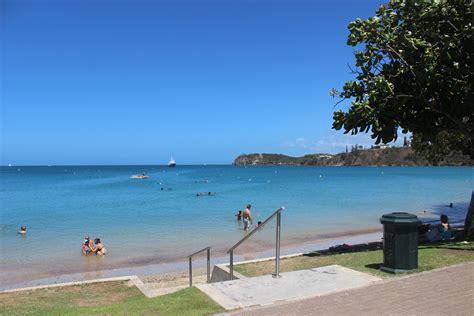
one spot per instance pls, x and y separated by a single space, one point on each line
400 242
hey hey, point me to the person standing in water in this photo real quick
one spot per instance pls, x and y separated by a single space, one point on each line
239 215
247 217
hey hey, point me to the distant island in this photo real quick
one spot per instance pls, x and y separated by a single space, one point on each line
385 156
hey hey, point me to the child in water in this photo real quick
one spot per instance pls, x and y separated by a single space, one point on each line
239 215
85 246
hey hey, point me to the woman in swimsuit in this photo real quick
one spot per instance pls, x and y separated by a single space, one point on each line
99 247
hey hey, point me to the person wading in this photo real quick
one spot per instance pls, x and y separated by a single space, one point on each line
247 217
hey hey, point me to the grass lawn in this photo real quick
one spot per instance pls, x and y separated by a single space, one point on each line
108 298
430 256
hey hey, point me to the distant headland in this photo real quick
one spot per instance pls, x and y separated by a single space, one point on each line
376 156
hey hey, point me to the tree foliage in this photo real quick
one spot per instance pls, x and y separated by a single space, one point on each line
414 73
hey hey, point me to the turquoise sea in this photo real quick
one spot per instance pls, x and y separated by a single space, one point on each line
141 224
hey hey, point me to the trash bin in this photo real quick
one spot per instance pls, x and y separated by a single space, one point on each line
400 242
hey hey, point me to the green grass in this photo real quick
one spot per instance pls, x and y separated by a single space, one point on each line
110 298
429 257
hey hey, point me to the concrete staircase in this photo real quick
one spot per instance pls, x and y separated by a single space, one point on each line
295 285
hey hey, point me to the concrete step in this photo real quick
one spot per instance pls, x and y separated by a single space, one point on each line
295 285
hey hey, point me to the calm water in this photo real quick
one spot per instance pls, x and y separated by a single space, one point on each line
140 224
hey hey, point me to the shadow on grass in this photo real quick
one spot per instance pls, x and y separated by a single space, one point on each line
345 248
450 245
374 266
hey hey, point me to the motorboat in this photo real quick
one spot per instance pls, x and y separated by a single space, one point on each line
139 176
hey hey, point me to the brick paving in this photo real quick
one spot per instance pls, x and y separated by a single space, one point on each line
447 291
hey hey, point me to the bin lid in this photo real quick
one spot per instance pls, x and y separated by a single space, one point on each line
400 218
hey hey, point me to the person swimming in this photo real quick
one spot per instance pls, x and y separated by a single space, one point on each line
22 230
206 193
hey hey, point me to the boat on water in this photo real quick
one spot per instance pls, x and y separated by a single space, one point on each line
139 176
171 163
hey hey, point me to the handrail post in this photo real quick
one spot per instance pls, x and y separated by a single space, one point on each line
208 250
277 246
232 264
208 265
190 271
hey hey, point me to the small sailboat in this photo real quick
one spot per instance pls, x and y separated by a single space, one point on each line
171 163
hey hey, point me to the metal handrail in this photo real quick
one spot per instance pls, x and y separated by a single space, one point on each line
277 243
208 265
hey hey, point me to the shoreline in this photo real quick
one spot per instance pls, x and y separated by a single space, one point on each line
155 265
295 245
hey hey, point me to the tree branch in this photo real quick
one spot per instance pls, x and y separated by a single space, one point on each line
353 71
402 59
343 99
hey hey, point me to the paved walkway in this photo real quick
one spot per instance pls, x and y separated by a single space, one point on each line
266 290
447 291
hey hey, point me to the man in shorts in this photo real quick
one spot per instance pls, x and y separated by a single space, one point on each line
247 217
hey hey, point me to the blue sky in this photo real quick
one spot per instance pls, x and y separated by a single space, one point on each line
134 82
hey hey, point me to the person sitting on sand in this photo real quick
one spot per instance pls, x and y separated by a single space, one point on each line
99 248
441 231
22 230
86 246
445 228
239 215
259 224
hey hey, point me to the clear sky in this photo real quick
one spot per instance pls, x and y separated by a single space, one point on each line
134 82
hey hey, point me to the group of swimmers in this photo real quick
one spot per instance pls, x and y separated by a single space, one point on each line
246 217
205 193
201 181
96 247
88 247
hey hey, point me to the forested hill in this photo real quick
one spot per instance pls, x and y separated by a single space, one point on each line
393 156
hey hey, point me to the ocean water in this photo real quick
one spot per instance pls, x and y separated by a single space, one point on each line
141 224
